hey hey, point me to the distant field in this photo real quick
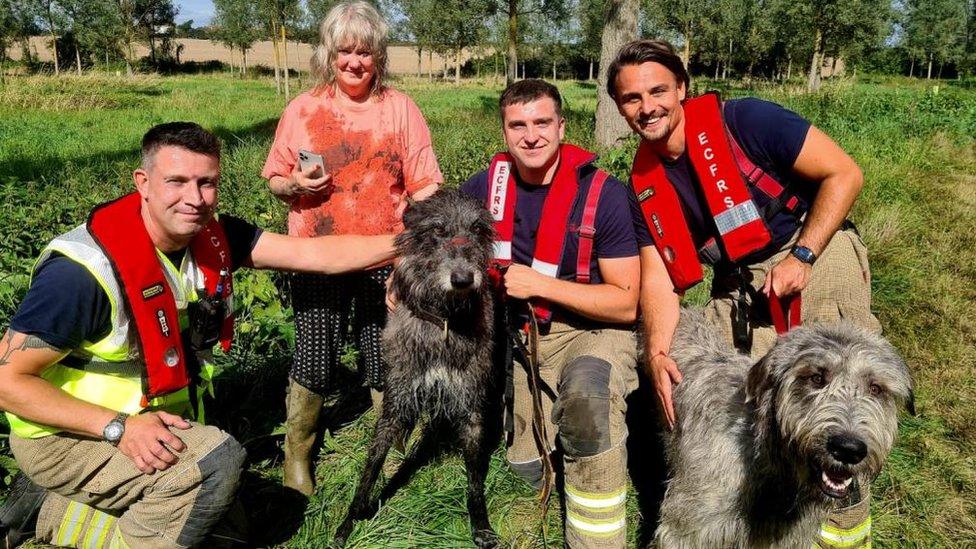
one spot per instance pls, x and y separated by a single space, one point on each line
68 144
401 59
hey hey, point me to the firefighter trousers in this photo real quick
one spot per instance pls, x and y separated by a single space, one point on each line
586 375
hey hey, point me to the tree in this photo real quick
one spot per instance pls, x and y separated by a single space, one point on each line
52 16
936 30
278 16
238 26
512 12
834 26
451 28
621 27
591 30
686 17
155 19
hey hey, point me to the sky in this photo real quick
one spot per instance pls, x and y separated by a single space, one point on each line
200 11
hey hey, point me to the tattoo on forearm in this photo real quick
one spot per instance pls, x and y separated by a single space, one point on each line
13 342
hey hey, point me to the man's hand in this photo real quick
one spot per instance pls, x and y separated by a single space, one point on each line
302 182
148 442
665 375
788 277
522 282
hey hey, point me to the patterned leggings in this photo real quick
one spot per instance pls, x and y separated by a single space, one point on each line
324 305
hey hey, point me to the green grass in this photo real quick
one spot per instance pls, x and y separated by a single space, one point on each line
70 143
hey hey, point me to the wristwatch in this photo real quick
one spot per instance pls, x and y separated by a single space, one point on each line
804 254
112 433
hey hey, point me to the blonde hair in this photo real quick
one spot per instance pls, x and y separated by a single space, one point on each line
357 23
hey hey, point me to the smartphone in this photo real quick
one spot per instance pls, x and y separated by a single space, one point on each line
307 159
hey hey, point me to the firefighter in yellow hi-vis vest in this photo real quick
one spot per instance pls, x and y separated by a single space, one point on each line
103 362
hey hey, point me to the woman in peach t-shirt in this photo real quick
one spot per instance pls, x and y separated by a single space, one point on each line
377 151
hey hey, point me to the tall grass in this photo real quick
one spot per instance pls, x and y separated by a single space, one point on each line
67 144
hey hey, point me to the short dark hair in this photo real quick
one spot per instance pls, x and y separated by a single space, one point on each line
526 91
187 135
638 52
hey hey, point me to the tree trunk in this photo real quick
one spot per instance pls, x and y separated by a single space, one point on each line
78 58
54 43
590 79
512 73
554 68
718 65
941 65
457 67
911 69
789 68
243 62
276 53
420 61
620 28
929 75
523 70
430 65
813 80
686 52
284 43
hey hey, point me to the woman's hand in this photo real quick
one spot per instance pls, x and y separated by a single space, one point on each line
303 182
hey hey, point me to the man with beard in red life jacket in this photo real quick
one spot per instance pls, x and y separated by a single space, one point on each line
760 194
105 361
567 259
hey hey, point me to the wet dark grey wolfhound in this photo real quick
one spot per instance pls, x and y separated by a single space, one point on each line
762 452
438 344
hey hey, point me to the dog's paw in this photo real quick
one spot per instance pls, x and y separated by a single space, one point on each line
485 539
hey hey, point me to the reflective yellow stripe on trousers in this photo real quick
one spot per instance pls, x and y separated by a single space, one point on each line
596 514
845 538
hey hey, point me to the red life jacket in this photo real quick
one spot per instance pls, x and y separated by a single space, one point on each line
119 230
553 225
724 174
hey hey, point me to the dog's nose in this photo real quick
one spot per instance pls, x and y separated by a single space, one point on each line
847 449
462 280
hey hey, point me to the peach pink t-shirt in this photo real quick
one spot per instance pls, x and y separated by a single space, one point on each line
377 152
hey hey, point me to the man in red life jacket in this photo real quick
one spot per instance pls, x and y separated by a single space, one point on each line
566 247
759 193
102 363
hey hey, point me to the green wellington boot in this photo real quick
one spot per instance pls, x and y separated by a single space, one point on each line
303 408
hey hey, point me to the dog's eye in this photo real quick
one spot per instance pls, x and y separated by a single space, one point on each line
876 390
817 379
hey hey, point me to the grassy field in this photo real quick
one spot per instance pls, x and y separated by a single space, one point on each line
68 144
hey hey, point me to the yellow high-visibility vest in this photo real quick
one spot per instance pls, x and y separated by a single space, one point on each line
108 372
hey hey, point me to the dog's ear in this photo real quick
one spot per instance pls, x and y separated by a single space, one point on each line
759 380
910 403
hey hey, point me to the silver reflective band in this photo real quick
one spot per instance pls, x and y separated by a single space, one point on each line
736 216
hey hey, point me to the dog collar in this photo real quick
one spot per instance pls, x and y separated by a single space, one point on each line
431 317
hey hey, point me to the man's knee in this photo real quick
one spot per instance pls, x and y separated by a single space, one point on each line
582 411
220 473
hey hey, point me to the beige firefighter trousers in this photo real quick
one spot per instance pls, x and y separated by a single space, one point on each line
839 289
586 376
98 498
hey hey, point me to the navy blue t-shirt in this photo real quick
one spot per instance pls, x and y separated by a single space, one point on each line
65 306
614 222
771 137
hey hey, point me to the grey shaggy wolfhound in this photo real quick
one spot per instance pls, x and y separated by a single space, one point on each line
438 343
760 453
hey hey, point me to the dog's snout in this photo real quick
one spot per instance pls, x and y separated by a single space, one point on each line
847 449
462 279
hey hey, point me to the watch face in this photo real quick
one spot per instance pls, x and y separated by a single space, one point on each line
113 431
